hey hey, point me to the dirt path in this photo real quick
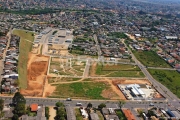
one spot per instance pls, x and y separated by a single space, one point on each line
52 113
116 90
81 80
92 69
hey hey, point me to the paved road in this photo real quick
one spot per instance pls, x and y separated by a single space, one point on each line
98 47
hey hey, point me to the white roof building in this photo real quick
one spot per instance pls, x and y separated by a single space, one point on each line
135 88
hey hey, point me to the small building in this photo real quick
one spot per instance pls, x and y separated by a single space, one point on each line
34 107
171 37
94 116
128 114
70 113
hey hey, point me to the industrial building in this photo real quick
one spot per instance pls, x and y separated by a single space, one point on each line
135 90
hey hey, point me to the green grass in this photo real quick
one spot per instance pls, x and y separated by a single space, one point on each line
25 48
150 59
119 70
120 115
100 115
78 114
168 78
86 90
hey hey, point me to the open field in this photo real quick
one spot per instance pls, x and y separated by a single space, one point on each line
62 66
115 70
92 88
168 78
150 59
85 90
25 48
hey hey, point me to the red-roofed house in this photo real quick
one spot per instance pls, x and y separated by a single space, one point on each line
34 107
128 114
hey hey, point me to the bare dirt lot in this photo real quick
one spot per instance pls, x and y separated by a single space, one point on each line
37 70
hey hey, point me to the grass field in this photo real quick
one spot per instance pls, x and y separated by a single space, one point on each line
168 78
86 90
150 59
25 48
118 70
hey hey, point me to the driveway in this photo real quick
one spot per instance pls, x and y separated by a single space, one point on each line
52 113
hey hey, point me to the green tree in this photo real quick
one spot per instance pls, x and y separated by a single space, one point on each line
101 106
15 117
59 104
19 109
18 98
89 105
1 104
121 103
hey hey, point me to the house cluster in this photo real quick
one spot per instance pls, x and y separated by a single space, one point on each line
170 52
85 47
10 73
34 112
3 44
106 113
113 47
161 113
140 45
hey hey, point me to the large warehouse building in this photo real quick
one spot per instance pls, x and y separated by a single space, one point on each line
135 89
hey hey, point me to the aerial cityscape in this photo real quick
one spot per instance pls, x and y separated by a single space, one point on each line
90 59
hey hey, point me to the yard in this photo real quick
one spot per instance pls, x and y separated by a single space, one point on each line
115 70
78 114
121 115
150 59
168 78
25 48
84 90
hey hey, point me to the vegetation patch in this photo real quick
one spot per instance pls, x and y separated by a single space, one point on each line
25 48
117 70
86 90
168 78
150 59
78 114
120 115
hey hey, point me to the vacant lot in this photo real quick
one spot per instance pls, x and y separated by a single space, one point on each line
25 48
168 78
85 90
115 70
67 67
151 59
